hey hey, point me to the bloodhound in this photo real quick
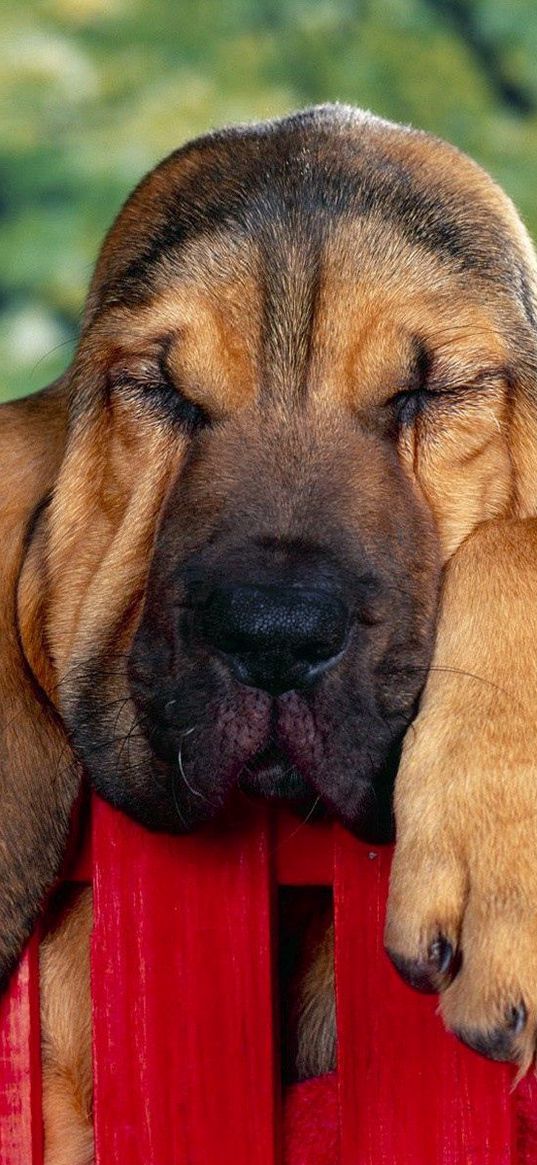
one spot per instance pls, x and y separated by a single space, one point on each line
280 508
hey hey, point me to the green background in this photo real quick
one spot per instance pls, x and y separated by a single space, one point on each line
94 92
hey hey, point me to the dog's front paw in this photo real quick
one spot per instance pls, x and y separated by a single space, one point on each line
462 914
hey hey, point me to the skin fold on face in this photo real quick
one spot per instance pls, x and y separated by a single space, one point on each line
291 403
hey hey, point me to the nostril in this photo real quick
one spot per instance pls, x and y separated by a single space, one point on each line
321 649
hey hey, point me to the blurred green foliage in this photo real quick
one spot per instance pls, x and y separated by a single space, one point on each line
97 91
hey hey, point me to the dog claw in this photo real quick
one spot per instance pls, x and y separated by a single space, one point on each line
440 954
431 974
516 1018
500 1043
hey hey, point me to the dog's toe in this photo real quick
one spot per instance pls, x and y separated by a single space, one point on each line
425 912
431 973
506 1041
472 937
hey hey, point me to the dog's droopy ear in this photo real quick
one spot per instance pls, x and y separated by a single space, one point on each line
38 774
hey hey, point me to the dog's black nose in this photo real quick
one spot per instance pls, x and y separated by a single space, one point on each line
275 637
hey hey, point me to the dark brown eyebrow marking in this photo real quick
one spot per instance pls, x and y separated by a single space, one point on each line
421 217
302 169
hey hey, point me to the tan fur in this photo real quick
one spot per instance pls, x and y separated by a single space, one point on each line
316 1026
66 1037
465 797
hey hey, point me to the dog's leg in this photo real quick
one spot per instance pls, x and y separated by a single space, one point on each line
316 1023
462 915
66 1038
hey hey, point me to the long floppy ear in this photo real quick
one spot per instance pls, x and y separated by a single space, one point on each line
38 775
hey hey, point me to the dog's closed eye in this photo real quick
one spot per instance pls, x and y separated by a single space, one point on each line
149 381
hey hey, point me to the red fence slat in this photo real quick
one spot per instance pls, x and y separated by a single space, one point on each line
182 966
524 1101
21 1137
183 1014
303 854
410 1093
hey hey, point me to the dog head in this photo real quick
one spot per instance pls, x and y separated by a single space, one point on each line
306 373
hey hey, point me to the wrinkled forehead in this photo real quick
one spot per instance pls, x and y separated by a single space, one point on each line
287 186
273 258
350 310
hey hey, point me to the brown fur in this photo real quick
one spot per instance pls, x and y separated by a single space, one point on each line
38 776
66 1036
282 289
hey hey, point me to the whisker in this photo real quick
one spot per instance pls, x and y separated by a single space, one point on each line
177 807
63 344
301 824
195 792
462 672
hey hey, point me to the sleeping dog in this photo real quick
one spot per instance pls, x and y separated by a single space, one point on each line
280 508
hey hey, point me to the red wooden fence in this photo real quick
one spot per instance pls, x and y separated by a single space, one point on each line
185 1057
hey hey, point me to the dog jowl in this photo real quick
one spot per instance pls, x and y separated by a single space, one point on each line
286 628
284 419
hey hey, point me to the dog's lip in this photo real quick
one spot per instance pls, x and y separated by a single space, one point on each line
272 776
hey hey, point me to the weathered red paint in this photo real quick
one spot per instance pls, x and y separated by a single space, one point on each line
186 1070
410 1093
21 1139
184 1057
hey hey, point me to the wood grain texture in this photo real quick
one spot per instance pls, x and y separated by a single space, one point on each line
410 1093
21 1137
524 1102
303 854
183 1011
185 1061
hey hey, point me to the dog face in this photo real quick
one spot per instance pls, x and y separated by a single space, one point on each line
302 382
